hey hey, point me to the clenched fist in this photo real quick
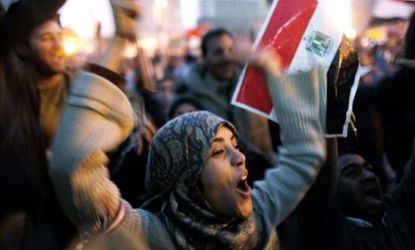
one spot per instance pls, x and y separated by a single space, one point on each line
125 13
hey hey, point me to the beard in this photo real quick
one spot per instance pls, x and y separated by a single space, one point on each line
43 68
225 70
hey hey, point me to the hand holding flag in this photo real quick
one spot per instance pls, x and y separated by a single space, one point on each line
303 34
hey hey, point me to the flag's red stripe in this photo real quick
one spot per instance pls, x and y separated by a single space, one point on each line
291 17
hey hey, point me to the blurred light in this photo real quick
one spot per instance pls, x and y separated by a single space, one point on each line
189 13
350 33
340 11
378 34
130 51
148 44
70 47
194 43
89 48
161 4
71 43
83 17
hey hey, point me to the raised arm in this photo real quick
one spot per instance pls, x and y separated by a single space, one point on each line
319 214
299 104
97 118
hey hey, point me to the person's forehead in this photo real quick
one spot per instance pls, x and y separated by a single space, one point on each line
349 159
51 25
225 132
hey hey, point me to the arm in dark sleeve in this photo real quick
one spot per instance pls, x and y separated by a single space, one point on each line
319 215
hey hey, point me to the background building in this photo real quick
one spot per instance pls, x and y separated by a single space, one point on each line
240 16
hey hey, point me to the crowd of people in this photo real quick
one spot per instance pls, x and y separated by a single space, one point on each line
93 159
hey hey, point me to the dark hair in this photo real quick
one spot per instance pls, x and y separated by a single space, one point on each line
212 34
23 17
182 100
410 39
23 160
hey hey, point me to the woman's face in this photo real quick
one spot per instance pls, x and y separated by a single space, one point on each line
224 177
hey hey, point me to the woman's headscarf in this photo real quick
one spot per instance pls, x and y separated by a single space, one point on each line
177 157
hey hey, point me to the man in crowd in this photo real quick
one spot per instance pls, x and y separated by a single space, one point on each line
358 216
48 57
211 84
44 50
30 215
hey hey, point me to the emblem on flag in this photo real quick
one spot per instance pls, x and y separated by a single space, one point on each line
319 44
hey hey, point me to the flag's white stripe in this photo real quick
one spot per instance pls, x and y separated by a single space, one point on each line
303 59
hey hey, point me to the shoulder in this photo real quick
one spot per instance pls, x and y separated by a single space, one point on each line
154 230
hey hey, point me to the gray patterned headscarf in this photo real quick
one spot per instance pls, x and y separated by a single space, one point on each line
177 156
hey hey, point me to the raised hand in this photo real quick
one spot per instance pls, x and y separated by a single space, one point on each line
268 60
125 13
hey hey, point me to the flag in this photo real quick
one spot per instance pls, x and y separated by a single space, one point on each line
303 34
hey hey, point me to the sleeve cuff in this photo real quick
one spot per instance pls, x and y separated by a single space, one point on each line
118 219
105 73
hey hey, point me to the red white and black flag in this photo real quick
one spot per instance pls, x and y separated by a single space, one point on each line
303 34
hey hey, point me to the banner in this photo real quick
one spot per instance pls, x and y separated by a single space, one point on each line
303 33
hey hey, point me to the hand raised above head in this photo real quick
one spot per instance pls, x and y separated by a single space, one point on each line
268 60
125 13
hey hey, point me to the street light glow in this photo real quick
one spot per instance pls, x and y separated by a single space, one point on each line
350 33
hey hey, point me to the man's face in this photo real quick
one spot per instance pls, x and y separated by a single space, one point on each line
360 189
218 59
47 45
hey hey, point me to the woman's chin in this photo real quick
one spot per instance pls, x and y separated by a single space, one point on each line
245 211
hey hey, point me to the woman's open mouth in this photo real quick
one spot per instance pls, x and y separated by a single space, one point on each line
243 188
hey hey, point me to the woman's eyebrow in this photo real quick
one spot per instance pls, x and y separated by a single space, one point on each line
218 139
221 139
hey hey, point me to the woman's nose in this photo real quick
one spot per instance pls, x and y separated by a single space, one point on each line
238 158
